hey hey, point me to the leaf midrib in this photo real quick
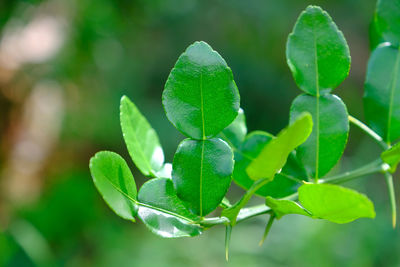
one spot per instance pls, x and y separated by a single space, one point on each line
149 206
392 89
317 108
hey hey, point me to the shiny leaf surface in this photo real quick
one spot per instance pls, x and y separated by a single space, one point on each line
326 144
235 133
201 172
141 140
285 183
382 92
335 203
114 181
283 207
387 20
317 53
163 212
275 153
200 96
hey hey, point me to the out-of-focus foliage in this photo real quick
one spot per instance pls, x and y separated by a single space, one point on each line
64 65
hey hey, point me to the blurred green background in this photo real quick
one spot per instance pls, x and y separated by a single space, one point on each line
64 66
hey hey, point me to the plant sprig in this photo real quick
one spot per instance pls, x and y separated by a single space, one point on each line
202 101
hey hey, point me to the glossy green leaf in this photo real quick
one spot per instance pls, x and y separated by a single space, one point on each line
273 156
375 37
202 173
114 181
387 20
163 212
335 203
165 171
317 53
285 183
200 96
283 207
392 157
382 92
141 140
326 144
235 133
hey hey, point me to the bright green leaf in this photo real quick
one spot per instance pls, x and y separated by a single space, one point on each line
235 133
163 212
141 140
335 203
201 172
114 181
317 52
274 155
285 183
387 20
392 157
326 144
283 206
382 92
200 97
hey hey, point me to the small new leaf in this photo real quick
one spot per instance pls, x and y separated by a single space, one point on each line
335 203
282 207
274 155
392 157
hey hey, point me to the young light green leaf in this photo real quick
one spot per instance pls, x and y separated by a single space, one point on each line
141 140
163 212
274 155
201 172
235 133
388 21
382 92
335 203
285 183
114 181
392 157
326 144
283 207
317 53
200 96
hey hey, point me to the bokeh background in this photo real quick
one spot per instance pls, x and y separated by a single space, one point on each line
64 65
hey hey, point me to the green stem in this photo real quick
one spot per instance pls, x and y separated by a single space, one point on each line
389 181
373 167
228 234
246 213
369 132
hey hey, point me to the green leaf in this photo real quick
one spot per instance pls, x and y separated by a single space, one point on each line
382 92
114 181
317 53
285 183
274 155
388 20
200 96
283 206
141 140
335 203
392 157
326 144
163 212
235 133
165 171
375 37
201 172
